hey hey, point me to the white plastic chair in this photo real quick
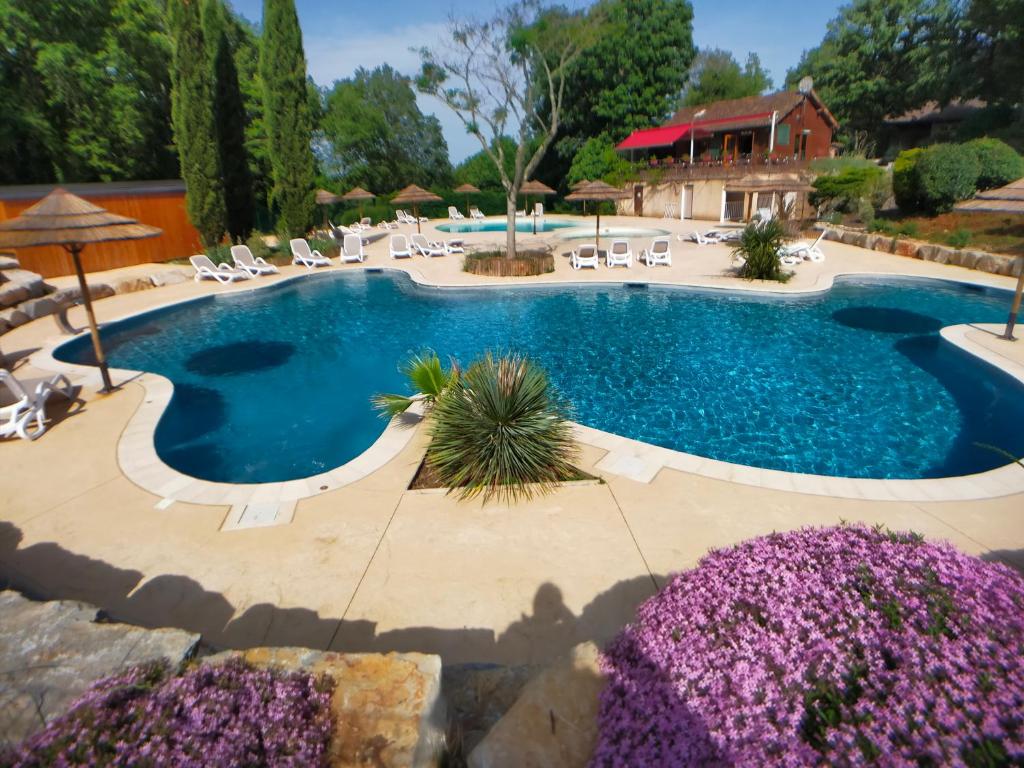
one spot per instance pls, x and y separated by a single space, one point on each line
538 210
352 249
475 213
222 273
29 404
804 250
398 246
620 254
660 252
454 214
246 262
427 247
301 253
584 256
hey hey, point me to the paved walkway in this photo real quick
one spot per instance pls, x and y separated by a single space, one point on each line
373 566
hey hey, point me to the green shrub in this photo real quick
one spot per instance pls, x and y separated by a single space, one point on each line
326 246
500 430
946 174
759 247
959 238
258 246
220 254
999 163
904 180
844 190
426 376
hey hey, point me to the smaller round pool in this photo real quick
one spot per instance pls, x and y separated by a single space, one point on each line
522 225
587 233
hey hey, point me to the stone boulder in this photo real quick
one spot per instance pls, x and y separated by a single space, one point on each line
388 708
130 284
168 277
554 720
30 281
13 317
52 652
73 294
8 262
12 294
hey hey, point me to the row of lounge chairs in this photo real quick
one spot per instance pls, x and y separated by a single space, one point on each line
620 254
790 254
456 215
25 416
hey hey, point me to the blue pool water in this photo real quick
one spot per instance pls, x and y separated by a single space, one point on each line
522 225
275 384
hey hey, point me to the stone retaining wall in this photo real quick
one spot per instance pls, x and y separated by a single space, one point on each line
994 263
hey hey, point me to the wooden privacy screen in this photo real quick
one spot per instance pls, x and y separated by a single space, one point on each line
164 209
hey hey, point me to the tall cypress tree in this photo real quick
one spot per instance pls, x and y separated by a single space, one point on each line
194 126
287 115
229 113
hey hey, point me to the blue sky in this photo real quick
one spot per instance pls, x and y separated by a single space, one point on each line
341 35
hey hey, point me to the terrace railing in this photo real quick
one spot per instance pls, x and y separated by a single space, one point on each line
668 169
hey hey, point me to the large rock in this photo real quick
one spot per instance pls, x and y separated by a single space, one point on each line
168 277
73 294
52 652
8 262
130 284
554 721
30 281
12 294
13 317
388 708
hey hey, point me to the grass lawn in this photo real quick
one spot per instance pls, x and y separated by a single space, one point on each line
993 232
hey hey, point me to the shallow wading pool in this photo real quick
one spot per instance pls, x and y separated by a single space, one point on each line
275 384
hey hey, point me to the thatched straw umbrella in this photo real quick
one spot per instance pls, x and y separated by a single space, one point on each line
467 190
534 188
359 194
325 198
598 191
577 186
414 196
66 220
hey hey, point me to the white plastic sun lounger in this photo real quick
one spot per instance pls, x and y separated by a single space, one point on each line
700 239
427 247
454 214
809 251
301 253
29 404
352 249
398 246
454 246
660 252
387 224
365 224
246 262
476 213
538 210
222 273
619 255
584 256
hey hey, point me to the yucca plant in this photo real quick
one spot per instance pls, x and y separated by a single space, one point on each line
429 380
759 247
500 430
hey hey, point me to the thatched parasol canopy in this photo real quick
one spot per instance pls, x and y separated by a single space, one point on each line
466 189
64 219
534 187
414 196
323 197
597 191
358 193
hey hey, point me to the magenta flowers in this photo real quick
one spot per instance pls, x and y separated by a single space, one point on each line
836 646
208 716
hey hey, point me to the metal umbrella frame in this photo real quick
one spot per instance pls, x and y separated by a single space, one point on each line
67 220
359 194
467 190
534 188
414 196
598 191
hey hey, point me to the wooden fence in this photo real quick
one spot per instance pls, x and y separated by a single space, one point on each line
157 203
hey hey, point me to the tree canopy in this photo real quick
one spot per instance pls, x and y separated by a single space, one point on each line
378 138
716 75
480 171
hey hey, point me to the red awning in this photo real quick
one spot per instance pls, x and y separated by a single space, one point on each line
667 135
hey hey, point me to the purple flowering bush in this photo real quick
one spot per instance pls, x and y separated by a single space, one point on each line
835 646
230 715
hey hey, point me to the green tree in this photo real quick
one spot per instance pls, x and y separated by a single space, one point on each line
598 160
194 122
990 48
716 75
86 91
377 136
480 171
287 116
881 57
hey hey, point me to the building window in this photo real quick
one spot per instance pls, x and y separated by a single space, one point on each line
782 134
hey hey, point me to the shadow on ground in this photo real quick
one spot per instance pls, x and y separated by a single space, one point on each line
47 571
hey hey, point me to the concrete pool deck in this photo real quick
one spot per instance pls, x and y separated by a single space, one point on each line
372 566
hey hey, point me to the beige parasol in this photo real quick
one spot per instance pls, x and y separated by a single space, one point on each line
64 219
467 190
325 198
598 191
358 194
414 196
577 186
534 188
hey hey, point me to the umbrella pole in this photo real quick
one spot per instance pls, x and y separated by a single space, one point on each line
598 231
416 214
94 330
1015 309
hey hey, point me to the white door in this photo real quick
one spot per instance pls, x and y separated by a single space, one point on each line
687 203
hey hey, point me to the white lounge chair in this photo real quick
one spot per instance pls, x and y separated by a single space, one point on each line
246 262
387 224
700 239
352 249
538 210
521 213
454 246
454 214
302 254
660 252
427 247
584 256
619 255
398 246
222 273
29 404
808 251
365 224
475 213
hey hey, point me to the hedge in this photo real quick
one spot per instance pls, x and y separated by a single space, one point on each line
998 163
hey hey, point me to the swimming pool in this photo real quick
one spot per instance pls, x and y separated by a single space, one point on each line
274 384
522 225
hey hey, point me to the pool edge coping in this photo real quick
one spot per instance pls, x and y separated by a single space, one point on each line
625 457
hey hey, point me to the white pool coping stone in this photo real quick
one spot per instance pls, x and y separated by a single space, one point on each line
625 457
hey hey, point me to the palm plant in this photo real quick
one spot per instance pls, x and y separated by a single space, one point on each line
429 380
759 247
500 430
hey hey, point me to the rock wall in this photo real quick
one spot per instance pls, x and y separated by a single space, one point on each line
994 263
